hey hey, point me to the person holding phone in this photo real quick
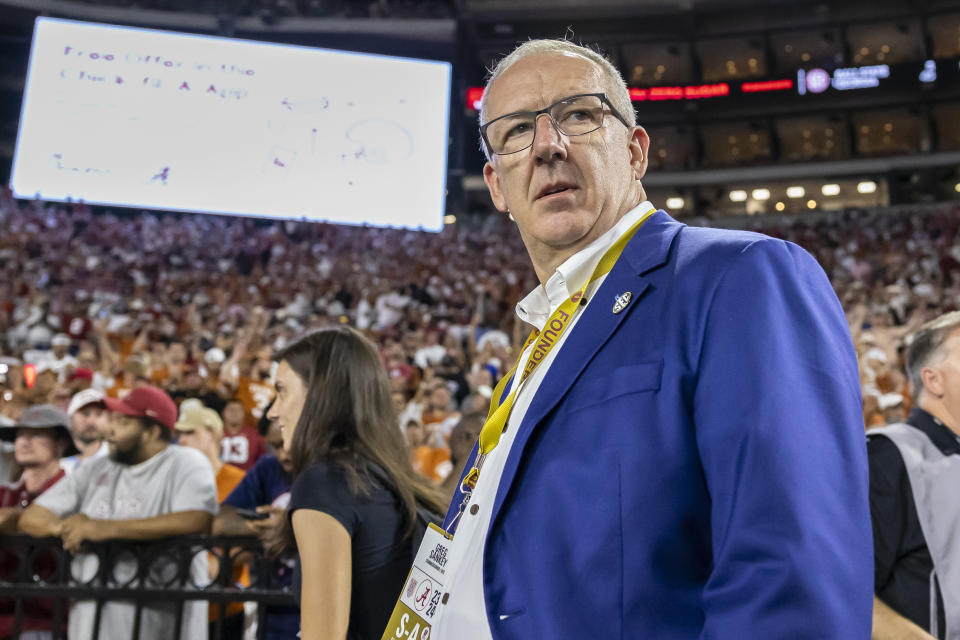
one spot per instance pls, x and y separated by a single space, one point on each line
351 530
256 507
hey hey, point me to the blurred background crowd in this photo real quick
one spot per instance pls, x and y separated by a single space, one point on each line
197 305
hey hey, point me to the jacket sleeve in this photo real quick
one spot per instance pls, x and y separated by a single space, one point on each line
779 429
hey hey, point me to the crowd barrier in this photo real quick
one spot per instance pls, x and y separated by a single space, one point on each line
141 573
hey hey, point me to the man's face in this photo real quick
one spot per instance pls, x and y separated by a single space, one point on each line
89 423
291 396
36 447
463 437
416 434
399 401
233 414
440 398
193 381
126 437
201 439
948 382
177 353
598 169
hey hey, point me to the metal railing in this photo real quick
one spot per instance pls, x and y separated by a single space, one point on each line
37 574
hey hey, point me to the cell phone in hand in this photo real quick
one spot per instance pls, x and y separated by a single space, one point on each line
250 514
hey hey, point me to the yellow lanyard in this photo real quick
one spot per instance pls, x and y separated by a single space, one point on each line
555 326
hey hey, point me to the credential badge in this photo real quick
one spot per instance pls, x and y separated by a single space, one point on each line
622 301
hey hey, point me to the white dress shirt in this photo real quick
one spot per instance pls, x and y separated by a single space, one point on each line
465 617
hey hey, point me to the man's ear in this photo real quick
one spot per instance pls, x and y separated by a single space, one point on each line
493 186
932 381
638 145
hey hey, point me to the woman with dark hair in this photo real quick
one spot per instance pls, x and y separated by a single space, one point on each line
354 500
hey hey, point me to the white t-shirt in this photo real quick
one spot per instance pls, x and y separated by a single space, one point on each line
176 479
390 308
70 463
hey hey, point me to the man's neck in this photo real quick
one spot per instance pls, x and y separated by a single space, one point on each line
34 477
546 259
233 429
88 449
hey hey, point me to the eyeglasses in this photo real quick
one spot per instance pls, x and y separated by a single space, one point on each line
572 116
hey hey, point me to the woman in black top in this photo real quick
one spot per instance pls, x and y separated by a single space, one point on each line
352 530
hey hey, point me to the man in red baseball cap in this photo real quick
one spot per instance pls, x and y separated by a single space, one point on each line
141 424
145 489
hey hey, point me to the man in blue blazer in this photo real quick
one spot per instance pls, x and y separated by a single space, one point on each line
686 457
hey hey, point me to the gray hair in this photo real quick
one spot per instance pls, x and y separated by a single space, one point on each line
616 87
925 346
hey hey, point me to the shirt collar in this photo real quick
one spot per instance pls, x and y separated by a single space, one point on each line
941 435
537 306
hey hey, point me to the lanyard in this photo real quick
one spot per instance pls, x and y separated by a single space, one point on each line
555 326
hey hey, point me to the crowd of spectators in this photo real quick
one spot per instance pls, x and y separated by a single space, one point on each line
893 270
198 304
96 304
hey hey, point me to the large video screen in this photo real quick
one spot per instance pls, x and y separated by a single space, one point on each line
144 118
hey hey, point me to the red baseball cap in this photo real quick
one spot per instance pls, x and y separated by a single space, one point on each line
82 373
146 402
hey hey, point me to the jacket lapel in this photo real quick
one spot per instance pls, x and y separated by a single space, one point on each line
648 250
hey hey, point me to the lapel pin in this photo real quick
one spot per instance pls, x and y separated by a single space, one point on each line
621 302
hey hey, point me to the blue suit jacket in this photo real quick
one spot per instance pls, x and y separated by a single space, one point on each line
694 466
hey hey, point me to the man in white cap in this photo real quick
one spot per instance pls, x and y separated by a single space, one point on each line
57 359
88 421
202 429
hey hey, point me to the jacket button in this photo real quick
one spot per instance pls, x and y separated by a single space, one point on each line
474 509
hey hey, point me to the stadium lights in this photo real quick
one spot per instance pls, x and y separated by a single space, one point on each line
780 206
795 192
449 218
830 189
867 186
761 194
740 195
956 187
675 203
474 97
811 204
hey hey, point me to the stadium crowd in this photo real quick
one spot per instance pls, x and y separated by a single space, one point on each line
101 307
198 304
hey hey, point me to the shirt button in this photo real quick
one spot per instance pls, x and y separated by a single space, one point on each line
474 509
24 503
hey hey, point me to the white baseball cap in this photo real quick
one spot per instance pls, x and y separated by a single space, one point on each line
82 399
214 356
61 340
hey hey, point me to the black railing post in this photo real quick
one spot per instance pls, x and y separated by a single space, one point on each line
59 601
